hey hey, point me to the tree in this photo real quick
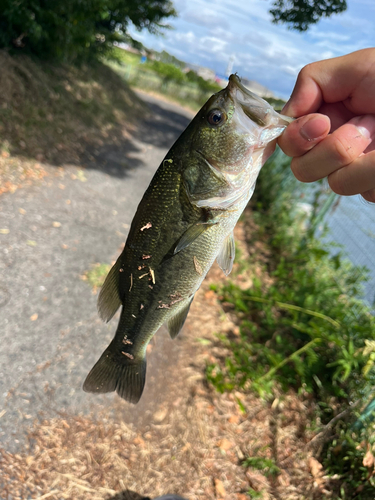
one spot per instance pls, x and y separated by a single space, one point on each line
76 29
300 14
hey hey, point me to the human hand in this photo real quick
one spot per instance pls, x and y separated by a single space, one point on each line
334 134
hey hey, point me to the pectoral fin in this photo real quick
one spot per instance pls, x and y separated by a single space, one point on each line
176 323
109 298
191 235
225 258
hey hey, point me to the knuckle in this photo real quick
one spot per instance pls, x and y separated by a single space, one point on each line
307 72
342 150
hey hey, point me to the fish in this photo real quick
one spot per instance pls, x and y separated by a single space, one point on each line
184 222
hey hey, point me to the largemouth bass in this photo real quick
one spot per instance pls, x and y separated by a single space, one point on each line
183 223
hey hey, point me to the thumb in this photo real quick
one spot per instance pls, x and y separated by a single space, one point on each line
304 133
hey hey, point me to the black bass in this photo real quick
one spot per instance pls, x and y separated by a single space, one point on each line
183 223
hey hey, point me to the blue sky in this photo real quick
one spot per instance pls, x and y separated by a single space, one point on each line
209 32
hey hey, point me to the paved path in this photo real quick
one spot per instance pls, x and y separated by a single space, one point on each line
50 331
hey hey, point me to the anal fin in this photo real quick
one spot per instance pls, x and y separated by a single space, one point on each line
226 255
177 321
109 297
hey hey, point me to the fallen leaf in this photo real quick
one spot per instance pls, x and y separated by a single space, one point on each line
31 243
225 444
160 415
219 489
22 211
4 231
234 419
34 317
210 294
81 176
139 441
368 459
56 224
315 467
204 341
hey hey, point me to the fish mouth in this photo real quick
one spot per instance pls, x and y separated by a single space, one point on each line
256 108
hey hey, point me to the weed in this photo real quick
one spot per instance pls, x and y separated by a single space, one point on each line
266 465
97 274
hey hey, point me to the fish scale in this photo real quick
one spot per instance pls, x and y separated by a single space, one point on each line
184 222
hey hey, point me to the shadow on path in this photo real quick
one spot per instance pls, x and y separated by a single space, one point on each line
160 128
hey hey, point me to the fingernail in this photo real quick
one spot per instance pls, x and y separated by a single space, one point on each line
314 128
365 125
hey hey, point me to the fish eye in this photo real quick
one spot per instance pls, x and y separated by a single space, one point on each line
216 117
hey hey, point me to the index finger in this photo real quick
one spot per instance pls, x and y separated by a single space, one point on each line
348 79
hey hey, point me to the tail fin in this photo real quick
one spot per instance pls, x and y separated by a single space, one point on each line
126 377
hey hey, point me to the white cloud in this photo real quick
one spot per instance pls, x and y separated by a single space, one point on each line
189 37
206 18
214 45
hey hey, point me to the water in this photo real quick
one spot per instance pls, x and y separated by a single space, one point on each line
352 224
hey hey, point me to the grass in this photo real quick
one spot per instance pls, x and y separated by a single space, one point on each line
163 78
96 276
51 112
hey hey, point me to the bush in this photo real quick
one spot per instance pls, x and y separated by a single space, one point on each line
168 71
75 29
